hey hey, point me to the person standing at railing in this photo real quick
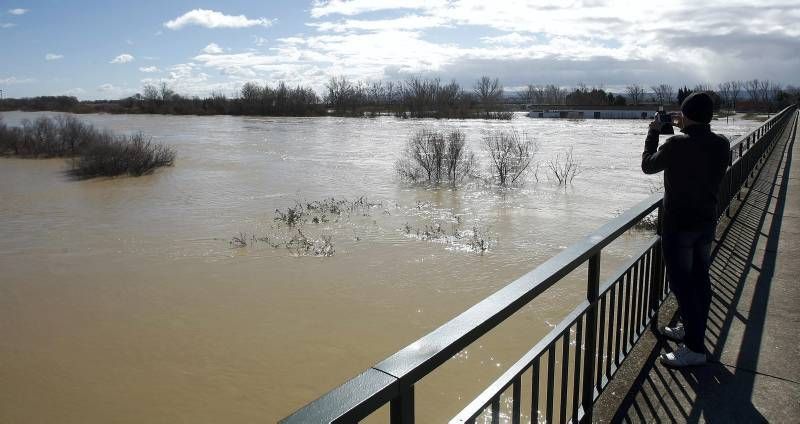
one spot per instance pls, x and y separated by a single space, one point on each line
694 164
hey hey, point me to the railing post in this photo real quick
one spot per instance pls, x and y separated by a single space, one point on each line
401 409
739 175
656 271
592 294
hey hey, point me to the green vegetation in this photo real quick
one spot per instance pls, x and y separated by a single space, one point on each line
95 153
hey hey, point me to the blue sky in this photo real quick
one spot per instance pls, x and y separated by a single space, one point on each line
110 49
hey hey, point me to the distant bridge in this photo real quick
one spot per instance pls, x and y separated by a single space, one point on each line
619 313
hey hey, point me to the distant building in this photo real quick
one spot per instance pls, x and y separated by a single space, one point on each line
593 113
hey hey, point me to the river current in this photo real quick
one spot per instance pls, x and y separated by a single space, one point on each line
127 300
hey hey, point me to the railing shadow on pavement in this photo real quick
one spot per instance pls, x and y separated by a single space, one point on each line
721 392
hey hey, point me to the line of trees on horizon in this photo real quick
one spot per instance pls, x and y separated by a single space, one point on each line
415 97
763 95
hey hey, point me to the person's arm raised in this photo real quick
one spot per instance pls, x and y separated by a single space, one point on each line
654 159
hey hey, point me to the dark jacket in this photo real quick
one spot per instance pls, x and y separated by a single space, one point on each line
693 164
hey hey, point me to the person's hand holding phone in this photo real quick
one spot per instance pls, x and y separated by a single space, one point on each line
677 119
656 123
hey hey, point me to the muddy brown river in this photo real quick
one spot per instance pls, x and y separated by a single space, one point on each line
124 300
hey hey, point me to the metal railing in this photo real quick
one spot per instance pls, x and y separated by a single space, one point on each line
606 325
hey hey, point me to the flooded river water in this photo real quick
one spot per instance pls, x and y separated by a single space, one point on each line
123 300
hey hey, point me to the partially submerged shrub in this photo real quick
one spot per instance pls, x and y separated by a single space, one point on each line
132 155
321 211
298 244
500 115
511 154
435 157
96 153
476 240
564 167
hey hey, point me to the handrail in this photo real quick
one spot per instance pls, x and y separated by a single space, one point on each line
522 365
416 360
392 380
754 132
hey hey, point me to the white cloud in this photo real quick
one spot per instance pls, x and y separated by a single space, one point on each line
77 91
7 25
185 78
53 56
111 90
213 48
407 23
149 69
355 7
213 19
15 80
123 58
710 41
18 12
546 41
513 38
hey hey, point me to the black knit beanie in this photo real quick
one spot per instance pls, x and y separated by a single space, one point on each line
698 107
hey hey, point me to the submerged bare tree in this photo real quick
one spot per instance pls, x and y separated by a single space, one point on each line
736 89
436 156
511 154
554 94
664 93
635 93
766 91
459 160
488 90
532 94
751 86
724 91
564 167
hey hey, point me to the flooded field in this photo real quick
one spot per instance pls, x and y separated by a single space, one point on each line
128 300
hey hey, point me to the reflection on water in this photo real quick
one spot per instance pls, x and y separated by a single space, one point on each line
122 300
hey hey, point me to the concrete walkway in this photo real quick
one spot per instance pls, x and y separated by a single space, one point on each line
754 325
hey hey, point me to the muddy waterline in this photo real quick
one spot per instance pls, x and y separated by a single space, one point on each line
122 300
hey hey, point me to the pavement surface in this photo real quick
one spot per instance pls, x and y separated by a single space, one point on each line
754 326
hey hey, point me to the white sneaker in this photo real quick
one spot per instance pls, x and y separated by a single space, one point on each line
683 357
676 333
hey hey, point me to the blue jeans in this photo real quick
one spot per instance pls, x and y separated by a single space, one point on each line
687 256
